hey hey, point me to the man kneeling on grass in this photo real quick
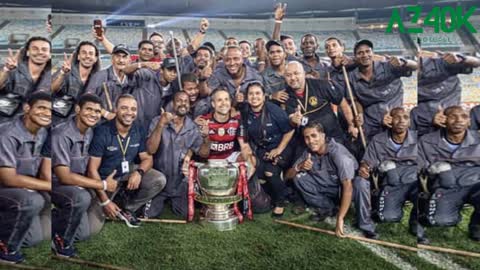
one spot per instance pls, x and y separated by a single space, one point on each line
116 145
24 179
76 215
325 168
451 156
393 154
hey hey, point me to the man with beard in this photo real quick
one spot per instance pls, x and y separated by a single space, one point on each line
451 156
234 77
70 82
393 153
325 168
75 216
112 82
198 106
154 90
202 64
24 201
312 64
377 85
222 133
310 99
118 145
173 138
26 71
269 132
439 87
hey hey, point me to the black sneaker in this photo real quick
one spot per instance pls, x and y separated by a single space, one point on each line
60 249
422 240
371 235
317 217
130 219
11 257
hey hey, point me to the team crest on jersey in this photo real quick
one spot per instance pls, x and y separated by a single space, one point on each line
313 101
231 131
221 131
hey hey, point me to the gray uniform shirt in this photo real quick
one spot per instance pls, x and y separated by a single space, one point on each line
384 91
465 160
70 147
475 118
272 81
221 78
172 150
438 84
330 169
20 149
113 86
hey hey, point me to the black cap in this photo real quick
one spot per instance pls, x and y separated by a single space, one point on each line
362 42
121 48
272 42
169 63
210 45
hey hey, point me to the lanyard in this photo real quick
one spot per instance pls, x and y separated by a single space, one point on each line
304 107
124 150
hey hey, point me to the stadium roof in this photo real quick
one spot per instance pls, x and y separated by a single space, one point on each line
235 8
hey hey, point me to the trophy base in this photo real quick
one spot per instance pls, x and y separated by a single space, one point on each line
221 225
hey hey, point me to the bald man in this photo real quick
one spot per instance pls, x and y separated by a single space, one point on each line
309 100
451 156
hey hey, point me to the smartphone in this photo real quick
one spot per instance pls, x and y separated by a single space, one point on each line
49 19
97 25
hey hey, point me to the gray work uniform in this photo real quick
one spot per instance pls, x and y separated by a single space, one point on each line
169 159
438 85
396 186
221 78
19 86
147 90
24 213
75 216
321 67
105 80
320 187
451 189
384 91
71 89
272 81
475 118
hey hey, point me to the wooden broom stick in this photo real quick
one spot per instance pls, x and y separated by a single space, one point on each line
154 220
449 250
359 238
89 263
21 266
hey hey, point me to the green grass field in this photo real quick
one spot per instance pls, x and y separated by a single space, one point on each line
258 244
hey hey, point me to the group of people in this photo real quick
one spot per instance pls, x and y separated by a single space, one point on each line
90 143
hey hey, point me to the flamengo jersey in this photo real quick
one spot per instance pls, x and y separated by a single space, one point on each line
223 136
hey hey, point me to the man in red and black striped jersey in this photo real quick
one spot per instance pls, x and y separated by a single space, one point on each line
222 132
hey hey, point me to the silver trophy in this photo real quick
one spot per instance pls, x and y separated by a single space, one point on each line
217 190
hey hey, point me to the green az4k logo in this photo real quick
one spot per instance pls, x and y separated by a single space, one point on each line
436 18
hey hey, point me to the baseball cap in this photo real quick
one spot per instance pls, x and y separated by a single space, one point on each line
121 48
169 63
362 42
272 42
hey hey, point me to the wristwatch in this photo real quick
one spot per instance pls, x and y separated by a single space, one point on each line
140 171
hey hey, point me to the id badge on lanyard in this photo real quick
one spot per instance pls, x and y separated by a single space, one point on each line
125 165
